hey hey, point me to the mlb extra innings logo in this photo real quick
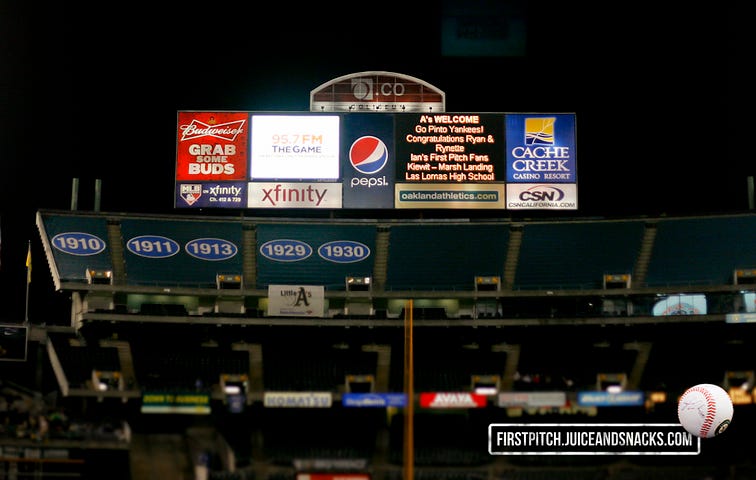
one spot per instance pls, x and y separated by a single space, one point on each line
212 149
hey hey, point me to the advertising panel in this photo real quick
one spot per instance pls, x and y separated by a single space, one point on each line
211 146
450 161
532 399
380 400
333 476
286 147
377 92
297 399
211 159
294 195
296 300
608 399
370 164
191 403
541 148
543 196
366 161
452 400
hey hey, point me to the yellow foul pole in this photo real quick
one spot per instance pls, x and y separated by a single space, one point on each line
409 390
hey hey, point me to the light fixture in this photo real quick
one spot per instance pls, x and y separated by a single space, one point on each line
744 276
226 281
622 280
358 284
486 384
487 283
99 277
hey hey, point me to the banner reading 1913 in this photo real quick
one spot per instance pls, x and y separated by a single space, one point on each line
412 160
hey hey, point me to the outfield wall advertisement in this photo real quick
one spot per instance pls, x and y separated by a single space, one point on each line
366 161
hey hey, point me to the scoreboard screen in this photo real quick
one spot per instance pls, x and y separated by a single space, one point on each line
368 161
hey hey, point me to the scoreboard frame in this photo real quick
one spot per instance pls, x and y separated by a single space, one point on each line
411 160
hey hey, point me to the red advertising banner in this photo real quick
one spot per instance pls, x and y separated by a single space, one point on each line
333 476
212 146
452 400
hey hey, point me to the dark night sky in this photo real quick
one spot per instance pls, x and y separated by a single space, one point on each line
92 93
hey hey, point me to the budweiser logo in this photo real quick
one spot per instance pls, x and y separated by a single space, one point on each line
224 131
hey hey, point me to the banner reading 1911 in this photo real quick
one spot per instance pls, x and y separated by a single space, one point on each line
368 161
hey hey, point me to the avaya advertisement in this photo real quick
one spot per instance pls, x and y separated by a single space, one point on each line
249 160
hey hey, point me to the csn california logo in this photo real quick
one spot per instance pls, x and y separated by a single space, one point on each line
542 193
368 155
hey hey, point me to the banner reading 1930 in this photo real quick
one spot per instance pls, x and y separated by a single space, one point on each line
366 161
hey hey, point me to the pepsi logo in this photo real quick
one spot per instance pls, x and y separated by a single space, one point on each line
368 155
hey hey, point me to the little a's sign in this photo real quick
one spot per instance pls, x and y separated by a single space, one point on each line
296 301
377 92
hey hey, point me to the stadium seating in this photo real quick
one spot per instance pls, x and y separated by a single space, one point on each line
547 323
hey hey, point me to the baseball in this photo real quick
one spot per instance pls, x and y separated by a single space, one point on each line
705 410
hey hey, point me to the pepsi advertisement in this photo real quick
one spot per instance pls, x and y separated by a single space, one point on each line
365 160
369 170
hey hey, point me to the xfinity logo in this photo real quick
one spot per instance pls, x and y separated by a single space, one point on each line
281 194
294 195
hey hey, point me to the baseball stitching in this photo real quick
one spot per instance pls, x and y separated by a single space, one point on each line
711 410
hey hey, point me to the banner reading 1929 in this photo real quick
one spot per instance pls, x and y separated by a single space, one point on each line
250 160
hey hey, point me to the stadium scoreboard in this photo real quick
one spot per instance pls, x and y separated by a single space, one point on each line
414 160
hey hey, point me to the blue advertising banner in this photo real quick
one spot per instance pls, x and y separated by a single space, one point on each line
541 148
607 399
374 400
369 167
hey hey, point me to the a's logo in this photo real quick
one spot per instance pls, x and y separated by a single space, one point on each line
191 192
539 131
302 298
362 88
368 155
